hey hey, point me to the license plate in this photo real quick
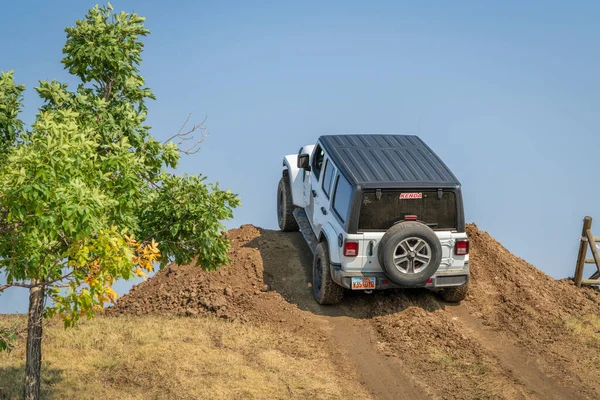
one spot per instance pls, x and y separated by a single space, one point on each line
363 283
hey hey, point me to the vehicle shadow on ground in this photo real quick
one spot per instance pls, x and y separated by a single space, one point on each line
12 380
287 263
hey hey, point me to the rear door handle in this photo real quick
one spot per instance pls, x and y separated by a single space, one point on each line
323 210
314 193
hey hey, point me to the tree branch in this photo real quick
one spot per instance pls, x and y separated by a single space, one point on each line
181 136
108 89
16 284
38 284
153 234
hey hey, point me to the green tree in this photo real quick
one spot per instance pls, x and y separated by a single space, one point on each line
85 196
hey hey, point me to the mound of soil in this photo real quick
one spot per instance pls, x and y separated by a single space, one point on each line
505 290
511 294
236 291
519 333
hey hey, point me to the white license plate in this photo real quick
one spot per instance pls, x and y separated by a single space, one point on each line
363 283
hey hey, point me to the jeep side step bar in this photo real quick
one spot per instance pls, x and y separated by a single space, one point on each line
306 229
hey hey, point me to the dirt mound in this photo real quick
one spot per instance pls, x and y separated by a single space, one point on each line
506 291
511 294
236 292
519 333
552 319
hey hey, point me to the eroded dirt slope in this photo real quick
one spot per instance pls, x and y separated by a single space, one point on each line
519 334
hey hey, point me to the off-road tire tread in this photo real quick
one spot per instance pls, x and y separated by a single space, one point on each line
288 223
454 294
331 292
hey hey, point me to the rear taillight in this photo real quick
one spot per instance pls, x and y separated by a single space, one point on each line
410 217
351 249
461 248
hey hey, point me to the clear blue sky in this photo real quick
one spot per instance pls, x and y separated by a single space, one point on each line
507 93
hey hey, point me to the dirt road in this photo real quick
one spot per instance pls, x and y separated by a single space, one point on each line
415 364
287 265
519 335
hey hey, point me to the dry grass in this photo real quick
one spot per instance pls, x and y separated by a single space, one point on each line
585 328
176 358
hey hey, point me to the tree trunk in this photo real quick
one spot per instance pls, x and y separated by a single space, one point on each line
33 362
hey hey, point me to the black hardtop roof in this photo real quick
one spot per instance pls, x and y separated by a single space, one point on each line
387 161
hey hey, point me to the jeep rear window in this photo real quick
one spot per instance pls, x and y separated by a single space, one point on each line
393 205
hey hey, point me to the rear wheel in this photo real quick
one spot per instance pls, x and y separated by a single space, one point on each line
325 290
454 294
285 207
410 253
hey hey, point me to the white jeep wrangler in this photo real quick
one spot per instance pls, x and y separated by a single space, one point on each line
378 212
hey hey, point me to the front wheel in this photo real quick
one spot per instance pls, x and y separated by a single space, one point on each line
325 290
454 294
285 206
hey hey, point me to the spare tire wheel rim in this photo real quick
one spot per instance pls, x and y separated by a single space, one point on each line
412 255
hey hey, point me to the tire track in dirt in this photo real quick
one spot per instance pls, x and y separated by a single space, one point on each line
384 377
514 360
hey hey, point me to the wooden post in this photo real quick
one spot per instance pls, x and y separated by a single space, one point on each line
594 248
590 282
587 224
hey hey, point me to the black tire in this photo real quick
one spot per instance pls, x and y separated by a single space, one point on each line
325 290
454 294
285 207
410 232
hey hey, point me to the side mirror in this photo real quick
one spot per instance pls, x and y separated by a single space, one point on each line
303 162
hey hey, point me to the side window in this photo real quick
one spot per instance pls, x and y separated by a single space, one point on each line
328 177
341 200
317 161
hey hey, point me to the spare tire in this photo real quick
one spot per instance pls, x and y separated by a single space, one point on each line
410 253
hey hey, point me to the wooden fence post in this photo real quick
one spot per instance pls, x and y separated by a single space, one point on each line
593 247
587 224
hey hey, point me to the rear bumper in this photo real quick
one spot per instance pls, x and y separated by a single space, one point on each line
439 280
